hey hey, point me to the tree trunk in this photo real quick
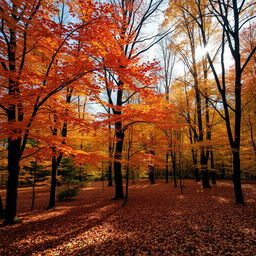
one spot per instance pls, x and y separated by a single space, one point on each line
102 174
194 156
197 175
205 179
232 37
33 187
128 168
12 184
14 114
126 184
212 167
110 184
181 180
205 173
236 178
151 174
110 154
213 177
57 156
52 200
174 168
151 165
81 168
119 194
192 139
166 166
203 158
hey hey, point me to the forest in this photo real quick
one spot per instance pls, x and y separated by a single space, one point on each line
127 127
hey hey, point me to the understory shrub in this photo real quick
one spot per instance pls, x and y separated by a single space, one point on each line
68 194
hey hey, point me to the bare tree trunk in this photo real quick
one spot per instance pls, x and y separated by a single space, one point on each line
180 176
151 174
12 184
52 199
174 167
110 162
119 194
205 173
192 139
110 178
102 174
203 157
57 156
33 187
237 178
14 113
126 184
230 22
212 167
128 167
166 166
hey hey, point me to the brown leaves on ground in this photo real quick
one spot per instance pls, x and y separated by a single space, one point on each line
158 220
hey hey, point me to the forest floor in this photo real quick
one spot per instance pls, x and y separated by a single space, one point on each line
158 220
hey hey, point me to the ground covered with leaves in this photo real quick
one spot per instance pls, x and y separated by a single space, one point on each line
158 220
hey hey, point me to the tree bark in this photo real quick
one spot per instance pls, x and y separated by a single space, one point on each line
52 199
128 168
205 179
34 186
119 194
126 184
197 175
151 174
110 162
166 167
110 184
174 168
212 167
151 166
14 114
12 184
205 173
237 178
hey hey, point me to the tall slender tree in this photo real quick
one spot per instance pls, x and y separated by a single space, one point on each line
132 17
31 44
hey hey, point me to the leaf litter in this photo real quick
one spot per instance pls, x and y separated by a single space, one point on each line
157 220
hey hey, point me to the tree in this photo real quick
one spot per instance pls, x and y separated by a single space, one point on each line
168 58
30 45
186 46
131 17
57 156
232 17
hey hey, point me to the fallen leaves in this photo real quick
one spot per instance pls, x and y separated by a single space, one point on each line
158 220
